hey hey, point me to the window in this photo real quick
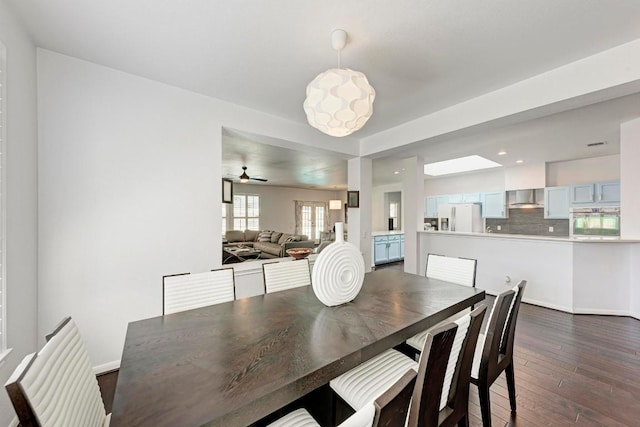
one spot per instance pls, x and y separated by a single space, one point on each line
246 212
3 191
224 218
393 213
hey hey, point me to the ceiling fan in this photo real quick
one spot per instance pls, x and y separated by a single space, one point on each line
245 178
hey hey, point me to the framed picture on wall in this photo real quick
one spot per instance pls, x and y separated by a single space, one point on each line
353 199
227 190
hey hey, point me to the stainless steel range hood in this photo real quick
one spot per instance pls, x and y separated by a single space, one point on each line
521 199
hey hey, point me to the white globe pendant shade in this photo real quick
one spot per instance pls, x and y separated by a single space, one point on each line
339 101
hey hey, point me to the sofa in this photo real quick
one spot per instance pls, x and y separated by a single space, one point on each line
273 244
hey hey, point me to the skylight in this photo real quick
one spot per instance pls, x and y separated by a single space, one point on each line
462 164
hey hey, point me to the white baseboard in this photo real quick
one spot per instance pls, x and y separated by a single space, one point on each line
600 311
106 367
548 305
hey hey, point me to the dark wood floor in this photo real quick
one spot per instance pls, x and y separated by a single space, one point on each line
570 370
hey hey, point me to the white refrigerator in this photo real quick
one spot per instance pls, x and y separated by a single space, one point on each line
460 217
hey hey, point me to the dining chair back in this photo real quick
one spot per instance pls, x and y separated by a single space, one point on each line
279 276
494 354
187 291
56 386
389 409
441 395
461 271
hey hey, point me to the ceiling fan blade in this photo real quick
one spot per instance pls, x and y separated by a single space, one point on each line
258 179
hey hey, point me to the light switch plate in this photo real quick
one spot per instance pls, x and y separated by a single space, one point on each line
551 229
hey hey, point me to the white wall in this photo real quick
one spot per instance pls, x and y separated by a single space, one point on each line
21 198
634 282
630 173
601 286
604 168
129 190
546 265
277 204
490 180
378 221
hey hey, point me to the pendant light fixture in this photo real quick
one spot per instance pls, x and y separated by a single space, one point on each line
339 101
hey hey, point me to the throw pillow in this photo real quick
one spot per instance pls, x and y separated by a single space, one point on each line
290 239
264 236
275 236
283 238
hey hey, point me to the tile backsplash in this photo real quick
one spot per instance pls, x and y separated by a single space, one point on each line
528 221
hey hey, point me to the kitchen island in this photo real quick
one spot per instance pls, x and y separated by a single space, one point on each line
576 276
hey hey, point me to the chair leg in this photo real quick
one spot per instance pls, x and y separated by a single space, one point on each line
485 405
511 385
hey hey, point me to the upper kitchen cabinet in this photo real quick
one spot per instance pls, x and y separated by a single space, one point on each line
455 198
494 205
556 202
599 193
431 207
471 198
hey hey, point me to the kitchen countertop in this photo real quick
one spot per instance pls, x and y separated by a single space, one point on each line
530 237
386 233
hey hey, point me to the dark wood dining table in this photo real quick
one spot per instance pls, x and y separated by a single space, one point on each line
232 364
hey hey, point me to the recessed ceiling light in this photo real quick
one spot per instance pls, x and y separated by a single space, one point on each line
501 153
462 164
396 172
519 161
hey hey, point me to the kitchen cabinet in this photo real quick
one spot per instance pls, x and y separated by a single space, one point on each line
389 248
494 205
595 194
442 199
556 202
454 198
431 207
471 198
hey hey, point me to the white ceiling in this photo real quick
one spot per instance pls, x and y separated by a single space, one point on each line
420 55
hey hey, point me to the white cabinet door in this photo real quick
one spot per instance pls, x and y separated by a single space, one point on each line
582 194
494 205
556 202
471 197
595 194
402 246
380 252
608 192
431 207
455 198
394 248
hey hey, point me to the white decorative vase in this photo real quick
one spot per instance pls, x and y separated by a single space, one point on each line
338 272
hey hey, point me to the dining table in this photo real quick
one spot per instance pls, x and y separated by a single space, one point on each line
234 363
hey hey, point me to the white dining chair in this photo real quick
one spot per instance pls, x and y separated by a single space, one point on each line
443 371
56 386
280 276
187 291
461 271
392 405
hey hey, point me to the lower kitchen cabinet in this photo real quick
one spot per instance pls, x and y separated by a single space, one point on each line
389 248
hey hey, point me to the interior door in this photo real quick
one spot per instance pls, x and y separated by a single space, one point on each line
314 219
